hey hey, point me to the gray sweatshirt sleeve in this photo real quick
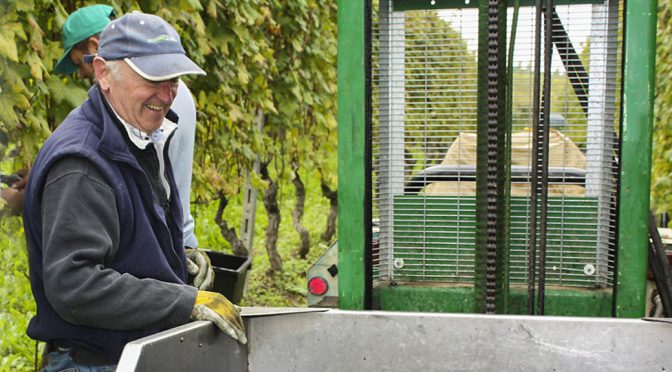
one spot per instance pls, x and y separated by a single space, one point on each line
80 232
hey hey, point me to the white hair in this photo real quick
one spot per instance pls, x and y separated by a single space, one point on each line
115 68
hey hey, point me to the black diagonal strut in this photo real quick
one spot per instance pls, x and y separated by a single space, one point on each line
576 72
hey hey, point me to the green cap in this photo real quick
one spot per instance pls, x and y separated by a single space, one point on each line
80 25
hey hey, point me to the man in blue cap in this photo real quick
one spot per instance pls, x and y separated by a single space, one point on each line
81 37
102 215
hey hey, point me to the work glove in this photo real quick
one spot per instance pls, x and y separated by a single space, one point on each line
219 310
200 269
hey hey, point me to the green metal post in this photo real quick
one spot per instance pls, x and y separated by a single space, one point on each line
351 149
639 70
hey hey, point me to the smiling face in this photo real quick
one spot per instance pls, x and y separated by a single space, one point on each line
140 102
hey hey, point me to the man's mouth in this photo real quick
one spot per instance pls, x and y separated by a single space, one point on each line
155 107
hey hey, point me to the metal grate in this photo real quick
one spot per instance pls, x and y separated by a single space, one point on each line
424 145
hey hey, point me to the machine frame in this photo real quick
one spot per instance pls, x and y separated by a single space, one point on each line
628 297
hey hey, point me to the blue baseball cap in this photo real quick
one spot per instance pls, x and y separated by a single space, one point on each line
149 45
80 25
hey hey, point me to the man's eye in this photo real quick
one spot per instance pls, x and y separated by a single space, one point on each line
171 83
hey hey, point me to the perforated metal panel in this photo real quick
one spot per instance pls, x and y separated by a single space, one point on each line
424 145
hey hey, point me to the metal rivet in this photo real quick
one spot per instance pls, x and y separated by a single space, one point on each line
589 269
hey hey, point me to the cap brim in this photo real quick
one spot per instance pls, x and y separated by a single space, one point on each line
64 65
160 67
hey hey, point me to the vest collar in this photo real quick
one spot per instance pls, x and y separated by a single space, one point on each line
97 111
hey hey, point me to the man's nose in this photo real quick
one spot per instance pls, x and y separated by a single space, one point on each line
167 92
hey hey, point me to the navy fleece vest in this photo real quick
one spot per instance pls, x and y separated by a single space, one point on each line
150 246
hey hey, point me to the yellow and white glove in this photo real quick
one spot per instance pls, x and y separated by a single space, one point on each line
218 309
200 269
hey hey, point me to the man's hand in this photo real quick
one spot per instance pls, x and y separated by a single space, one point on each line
218 309
200 269
13 195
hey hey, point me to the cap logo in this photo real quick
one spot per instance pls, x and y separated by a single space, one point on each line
161 38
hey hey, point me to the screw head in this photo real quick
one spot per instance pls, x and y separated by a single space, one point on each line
589 269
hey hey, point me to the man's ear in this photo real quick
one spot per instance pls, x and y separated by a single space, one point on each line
92 45
102 73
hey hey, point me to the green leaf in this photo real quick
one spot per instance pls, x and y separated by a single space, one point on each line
243 75
35 63
235 114
8 47
25 6
9 100
212 9
194 5
70 93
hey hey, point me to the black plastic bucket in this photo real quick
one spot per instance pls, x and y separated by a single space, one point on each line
230 274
